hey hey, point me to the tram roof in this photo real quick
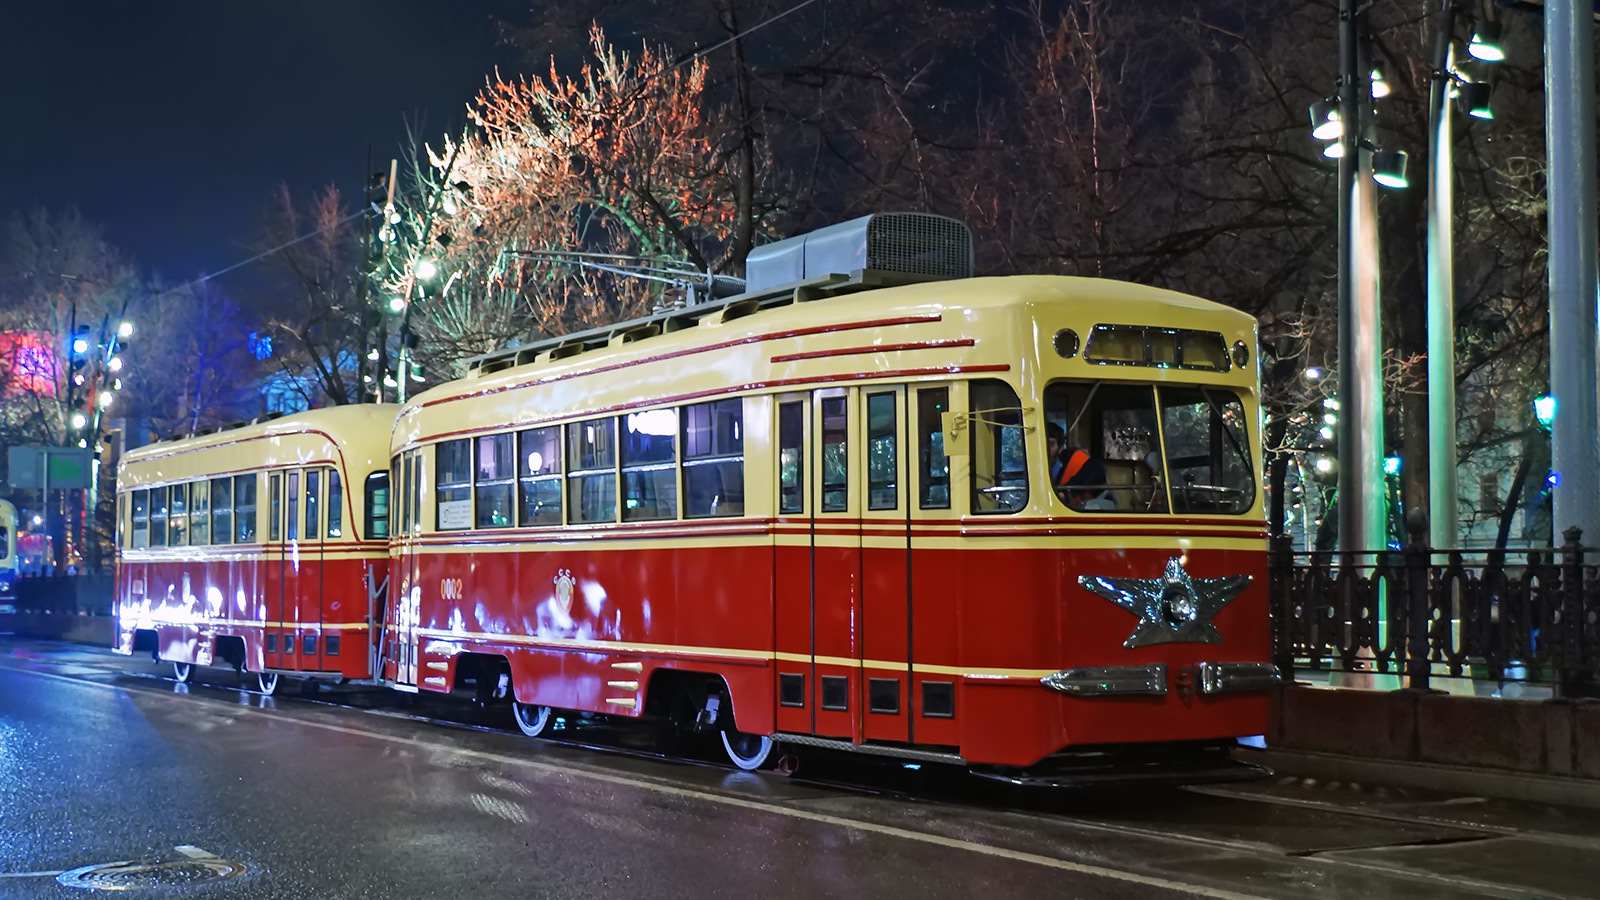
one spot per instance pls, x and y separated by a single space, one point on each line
821 302
369 421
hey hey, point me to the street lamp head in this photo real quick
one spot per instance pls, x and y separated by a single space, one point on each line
1391 465
1474 99
79 420
1314 373
397 304
115 364
1544 409
80 345
427 270
1325 122
1334 150
1389 168
105 399
124 329
447 204
1485 45
373 354
1324 464
1380 85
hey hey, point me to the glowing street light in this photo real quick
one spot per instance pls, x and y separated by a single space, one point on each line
1544 410
1474 99
79 420
1325 122
115 364
105 399
397 304
1380 85
373 354
1391 465
1485 45
1314 373
80 345
1389 168
1325 465
427 270
124 329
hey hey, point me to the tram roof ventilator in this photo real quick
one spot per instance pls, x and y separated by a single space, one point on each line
873 251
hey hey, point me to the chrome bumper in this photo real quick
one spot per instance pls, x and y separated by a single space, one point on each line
1151 680
1103 681
1218 678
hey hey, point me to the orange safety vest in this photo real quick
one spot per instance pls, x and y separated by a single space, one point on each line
1075 464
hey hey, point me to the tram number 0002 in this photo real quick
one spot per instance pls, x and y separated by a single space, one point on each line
451 589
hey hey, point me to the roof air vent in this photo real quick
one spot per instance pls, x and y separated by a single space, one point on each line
924 247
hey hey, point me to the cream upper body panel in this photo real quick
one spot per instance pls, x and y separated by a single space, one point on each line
355 438
980 327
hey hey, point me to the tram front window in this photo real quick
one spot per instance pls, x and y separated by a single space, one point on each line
1108 453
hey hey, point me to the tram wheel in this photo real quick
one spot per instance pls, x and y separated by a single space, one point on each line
531 720
267 682
747 751
182 672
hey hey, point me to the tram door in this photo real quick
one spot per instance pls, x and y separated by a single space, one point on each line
310 576
278 631
885 623
792 565
837 504
406 593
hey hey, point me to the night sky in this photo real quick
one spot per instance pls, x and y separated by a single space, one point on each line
172 122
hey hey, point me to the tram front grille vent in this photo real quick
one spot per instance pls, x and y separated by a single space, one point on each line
915 244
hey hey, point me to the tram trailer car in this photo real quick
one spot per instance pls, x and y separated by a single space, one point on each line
826 512
262 546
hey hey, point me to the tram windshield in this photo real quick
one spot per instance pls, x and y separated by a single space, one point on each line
1105 446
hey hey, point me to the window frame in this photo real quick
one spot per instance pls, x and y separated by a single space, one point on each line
577 478
222 512
507 481
441 486
548 436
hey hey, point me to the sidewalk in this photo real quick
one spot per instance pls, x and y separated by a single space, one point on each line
1463 781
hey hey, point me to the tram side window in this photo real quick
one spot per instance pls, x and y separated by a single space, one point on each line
274 507
141 518
592 470
999 459
713 458
122 528
313 504
158 517
453 462
791 458
244 508
200 513
222 510
649 465
835 456
377 506
883 456
335 505
1111 452
496 476
178 516
539 454
933 465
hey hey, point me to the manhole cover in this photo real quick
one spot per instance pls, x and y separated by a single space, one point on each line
130 876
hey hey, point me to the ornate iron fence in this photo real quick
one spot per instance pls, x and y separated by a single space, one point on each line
1530 615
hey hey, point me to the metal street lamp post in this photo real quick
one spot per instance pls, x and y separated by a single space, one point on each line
1569 129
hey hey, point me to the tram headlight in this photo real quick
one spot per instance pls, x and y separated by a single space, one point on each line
1241 354
1178 605
1066 343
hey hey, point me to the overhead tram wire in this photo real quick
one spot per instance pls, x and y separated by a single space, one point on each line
258 257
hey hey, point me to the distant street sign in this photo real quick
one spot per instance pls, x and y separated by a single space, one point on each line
64 468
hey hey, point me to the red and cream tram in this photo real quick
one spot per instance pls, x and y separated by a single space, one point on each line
262 547
832 512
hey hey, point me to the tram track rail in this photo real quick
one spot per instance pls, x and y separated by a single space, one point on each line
927 786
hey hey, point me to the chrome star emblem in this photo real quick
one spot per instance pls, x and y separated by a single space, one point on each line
1174 608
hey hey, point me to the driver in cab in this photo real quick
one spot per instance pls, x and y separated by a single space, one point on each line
1076 476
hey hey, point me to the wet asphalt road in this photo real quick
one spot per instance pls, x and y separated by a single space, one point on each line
358 795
